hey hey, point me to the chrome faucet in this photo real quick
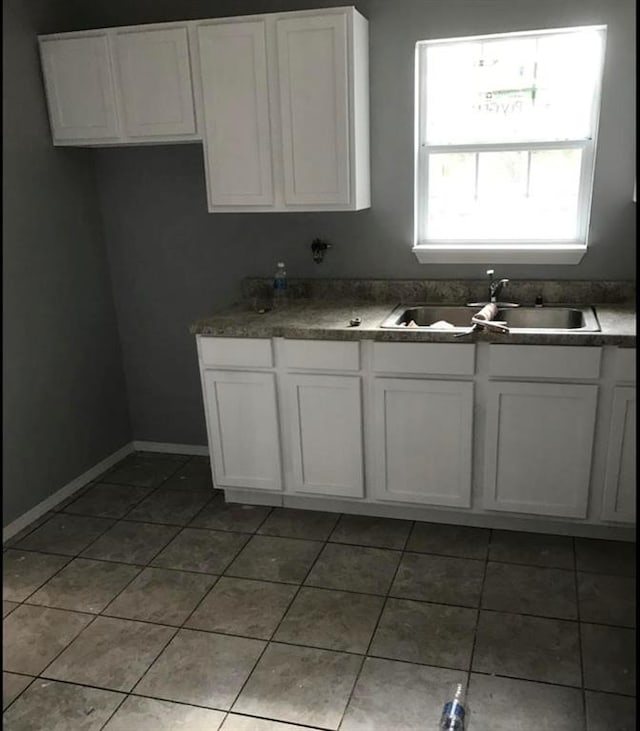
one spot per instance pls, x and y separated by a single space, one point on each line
495 287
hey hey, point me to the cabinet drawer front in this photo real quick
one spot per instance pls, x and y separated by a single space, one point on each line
424 358
243 352
544 361
626 365
322 355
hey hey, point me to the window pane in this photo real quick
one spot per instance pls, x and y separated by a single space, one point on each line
512 90
516 195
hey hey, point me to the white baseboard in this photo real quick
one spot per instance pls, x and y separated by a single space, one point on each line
191 449
64 492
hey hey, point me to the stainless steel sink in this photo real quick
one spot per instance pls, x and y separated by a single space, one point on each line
550 318
546 319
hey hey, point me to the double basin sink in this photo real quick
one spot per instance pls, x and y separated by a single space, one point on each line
543 319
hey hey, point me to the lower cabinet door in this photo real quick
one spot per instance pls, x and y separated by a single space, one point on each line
325 424
242 419
539 439
620 477
422 434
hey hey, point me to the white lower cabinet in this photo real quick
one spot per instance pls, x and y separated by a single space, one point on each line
619 502
422 442
538 450
242 420
325 434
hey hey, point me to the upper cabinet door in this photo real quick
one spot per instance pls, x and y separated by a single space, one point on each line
233 63
314 98
155 78
80 88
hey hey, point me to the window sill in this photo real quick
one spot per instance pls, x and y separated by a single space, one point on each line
500 254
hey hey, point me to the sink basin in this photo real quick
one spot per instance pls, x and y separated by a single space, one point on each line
521 319
550 318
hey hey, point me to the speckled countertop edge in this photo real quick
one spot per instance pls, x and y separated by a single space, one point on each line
311 319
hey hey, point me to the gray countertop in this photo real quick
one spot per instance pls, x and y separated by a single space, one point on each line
318 319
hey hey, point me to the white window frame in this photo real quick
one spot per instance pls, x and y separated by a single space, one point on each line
519 250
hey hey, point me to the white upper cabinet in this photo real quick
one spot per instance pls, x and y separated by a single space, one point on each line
120 86
279 100
80 88
233 67
285 100
155 82
314 108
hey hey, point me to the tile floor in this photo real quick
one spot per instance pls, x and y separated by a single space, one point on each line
145 603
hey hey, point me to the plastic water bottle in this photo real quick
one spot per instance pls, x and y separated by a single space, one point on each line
280 287
454 710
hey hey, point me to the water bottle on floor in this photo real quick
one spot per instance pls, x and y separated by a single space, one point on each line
454 710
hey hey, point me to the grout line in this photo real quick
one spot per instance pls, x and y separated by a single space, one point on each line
282 618
377 623
477 626
580 651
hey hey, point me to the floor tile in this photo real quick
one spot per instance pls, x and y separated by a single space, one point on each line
291 523
532 648
174 507
243 607
49 706
193 476
533 549
606 557
12 686
530 590
505 704
609 658
111 653
605 711
8 607
397 695
65 534
160 595
432 634
85 585
364 530
334 620
131 542
17 537
449 540
107 501
219 515
202 668
147 714
143 471
23 572
354 568
33 636
300 685
208 551
234 722
607 599
441 579
275 559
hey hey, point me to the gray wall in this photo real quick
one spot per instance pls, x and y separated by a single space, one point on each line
64 405
172 262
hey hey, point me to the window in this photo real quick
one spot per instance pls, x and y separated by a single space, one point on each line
505 145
